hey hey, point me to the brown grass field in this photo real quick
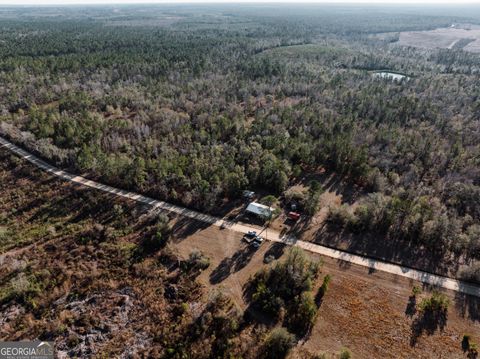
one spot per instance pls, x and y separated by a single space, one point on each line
364 311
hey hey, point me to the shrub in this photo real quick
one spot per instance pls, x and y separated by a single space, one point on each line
302 314
284 282
118 210
312 201
466 342
278 344
23 288
4 233
197 261
473 235
286 288
473 350
339 216
345 353
268 200
294 195
437 303
416 290
159 238
315 186
266 300
326 282
219 322
72 340
470 346
323 289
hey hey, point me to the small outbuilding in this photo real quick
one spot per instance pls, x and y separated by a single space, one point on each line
260 210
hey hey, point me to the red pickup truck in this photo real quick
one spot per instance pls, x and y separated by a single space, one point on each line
294 216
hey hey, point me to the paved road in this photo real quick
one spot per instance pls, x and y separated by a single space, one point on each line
421 276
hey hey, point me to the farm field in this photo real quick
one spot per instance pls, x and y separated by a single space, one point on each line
467 39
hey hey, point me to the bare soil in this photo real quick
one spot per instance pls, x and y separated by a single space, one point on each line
368 312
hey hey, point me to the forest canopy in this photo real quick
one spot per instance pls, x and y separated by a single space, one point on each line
193 104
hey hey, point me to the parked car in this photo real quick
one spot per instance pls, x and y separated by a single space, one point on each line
257 242
248 194
250 236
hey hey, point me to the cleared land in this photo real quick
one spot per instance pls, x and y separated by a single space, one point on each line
77 268
467 39
366 311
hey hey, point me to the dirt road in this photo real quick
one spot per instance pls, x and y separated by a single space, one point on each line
373 264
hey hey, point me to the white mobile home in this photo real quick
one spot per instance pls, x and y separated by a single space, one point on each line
260 210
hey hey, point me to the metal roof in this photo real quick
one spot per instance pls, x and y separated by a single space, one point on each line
259 209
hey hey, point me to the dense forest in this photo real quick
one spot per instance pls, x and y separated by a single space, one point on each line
193 104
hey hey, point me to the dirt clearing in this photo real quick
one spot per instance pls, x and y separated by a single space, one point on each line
368 312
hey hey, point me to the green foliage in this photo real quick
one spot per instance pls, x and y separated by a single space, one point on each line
219 322
268 200
315 186
209 103
345 354
197 261
138 173
312 201
23 288
416 290
469 346
473 350
324 287
292 195
287 285
419 219
303 314
278 344
86 160
160 234
436 303
340 216
4 233
266 299
199 108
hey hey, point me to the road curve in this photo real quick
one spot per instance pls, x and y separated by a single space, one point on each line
373 264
